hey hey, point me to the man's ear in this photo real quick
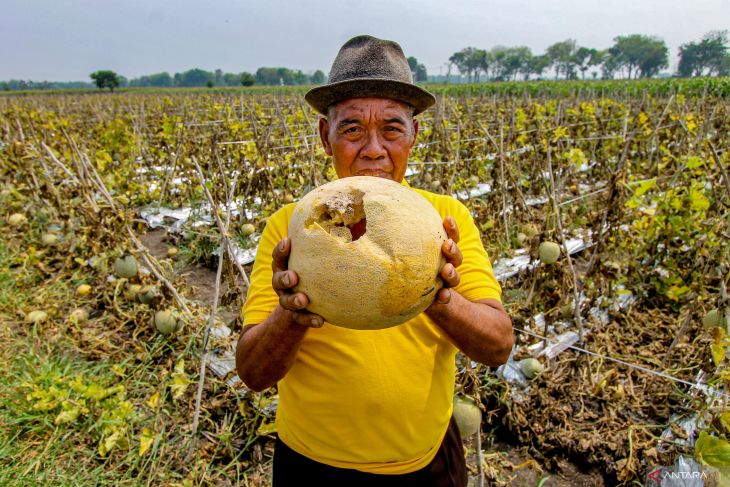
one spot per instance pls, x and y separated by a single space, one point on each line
324 130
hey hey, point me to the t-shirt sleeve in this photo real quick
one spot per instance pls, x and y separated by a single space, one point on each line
261 299
477 277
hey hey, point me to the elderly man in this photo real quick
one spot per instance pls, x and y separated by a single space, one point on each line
370 407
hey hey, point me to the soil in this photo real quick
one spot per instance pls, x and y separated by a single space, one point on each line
201 280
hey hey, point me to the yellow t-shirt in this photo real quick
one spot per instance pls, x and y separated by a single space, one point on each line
373 400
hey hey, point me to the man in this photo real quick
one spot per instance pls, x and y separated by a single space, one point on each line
370 407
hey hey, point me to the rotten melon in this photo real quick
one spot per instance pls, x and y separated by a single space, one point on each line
367 252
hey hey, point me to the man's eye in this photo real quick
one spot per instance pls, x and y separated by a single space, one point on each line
351 130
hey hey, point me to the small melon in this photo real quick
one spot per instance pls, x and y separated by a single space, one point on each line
165 322
17 219
367 251
288 198
549 252
131 292
531 367
712 319
36 317
435 185
530 229
467 414
172 251
79 315
49 239
247 229
125 266
146 294
83 290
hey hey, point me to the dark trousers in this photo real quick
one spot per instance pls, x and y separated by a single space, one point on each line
447 469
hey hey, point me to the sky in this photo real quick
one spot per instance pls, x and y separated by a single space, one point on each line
68 39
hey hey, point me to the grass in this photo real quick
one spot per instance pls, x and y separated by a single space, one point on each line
79 399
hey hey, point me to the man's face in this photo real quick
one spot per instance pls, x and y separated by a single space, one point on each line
369 137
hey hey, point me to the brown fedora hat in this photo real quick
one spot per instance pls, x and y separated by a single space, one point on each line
370 67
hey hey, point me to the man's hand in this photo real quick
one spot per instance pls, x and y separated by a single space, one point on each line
283 282
449 275
481 329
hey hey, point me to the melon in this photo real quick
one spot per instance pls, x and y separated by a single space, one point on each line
165 322
49 239
467 415
125 266
549 252
146 294
83 290
79 315
367 251
17 219
247 229
531 367
36 317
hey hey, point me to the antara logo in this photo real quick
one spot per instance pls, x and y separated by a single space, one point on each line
655 474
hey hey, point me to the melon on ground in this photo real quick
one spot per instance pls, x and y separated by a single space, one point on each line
467 415
367 252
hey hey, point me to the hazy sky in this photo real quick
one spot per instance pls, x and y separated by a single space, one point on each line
60 40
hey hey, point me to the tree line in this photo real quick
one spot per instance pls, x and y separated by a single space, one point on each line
631 56
107 79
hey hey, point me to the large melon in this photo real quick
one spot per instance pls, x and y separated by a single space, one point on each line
367 251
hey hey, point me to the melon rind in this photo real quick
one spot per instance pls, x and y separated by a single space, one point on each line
384 278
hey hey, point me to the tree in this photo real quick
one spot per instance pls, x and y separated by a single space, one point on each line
707 57
318 78
582 58
105 79
538 64
194 77
247 79
505 63
562 58
470 61
640 55
418 70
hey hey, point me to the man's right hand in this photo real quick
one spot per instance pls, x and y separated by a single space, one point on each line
283 282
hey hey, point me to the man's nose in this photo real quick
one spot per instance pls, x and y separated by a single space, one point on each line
373 148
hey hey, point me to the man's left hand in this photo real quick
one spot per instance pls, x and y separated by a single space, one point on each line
453 256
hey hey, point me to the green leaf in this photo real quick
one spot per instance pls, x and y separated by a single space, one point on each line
698 201
712 451
266 429
718 353
146 438
645 186
693 162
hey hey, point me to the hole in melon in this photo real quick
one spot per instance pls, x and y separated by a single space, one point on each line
341 215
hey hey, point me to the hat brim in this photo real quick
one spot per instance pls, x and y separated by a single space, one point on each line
322 97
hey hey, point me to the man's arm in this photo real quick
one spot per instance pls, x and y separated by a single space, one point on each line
481 329
266 351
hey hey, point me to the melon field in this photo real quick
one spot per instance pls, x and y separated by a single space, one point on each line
130 221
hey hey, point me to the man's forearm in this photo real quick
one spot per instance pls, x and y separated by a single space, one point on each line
482 329
266 351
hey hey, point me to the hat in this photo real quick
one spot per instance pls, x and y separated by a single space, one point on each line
370 67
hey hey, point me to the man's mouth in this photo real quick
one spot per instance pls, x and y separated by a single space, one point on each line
375 173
